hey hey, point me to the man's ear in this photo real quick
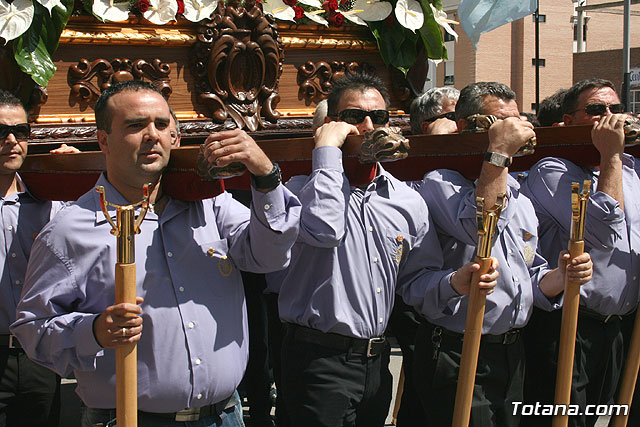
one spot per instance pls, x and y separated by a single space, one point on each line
102 141
462 124
327 119
424 126
567 119
176 144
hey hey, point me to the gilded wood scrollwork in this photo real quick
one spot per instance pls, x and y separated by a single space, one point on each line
238 63
106 73
315 79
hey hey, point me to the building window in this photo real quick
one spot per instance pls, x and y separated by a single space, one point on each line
575 31
534 106
634 101
541 62
448 81
541 18
448 37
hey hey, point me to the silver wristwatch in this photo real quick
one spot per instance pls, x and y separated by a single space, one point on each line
497 159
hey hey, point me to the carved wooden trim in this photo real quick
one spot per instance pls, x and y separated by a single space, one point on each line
106 73
238 63
127 36
315 79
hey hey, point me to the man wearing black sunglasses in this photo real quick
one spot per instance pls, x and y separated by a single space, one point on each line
29 393
433 113
611 237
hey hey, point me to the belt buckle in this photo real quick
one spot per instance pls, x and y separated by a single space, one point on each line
13 342
186 415
371 343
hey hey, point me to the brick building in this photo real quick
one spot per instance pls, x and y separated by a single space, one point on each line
507 54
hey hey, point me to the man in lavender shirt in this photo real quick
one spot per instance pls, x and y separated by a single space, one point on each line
193 350
612 237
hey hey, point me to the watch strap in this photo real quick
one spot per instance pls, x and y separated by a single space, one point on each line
497 159
268 181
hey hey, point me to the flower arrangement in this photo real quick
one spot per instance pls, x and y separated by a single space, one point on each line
400 27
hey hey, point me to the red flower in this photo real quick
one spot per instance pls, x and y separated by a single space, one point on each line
299 12
290 2
180 6
336 18
330 5
143 5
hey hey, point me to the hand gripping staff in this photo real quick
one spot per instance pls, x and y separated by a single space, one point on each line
487 222
579 200
125 229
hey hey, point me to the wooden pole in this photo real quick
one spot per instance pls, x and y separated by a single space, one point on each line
126 357
630 375
567 346
398 401
470 347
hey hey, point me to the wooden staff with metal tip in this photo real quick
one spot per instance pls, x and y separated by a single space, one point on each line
630 375
569 326
487 222
125 228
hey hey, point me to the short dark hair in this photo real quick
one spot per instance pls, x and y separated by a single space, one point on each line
550 109
531 118
7 99
359 82
570 102
472 97
175 119
103 114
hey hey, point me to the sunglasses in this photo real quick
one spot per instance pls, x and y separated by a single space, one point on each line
355 116
600 109
21 131
451 115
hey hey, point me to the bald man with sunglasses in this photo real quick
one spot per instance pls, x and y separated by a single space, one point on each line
612 237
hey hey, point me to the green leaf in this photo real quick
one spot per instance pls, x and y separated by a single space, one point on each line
34 48
431 33
397 44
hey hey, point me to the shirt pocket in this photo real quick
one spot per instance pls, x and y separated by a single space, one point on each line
218 268
529 242
398 245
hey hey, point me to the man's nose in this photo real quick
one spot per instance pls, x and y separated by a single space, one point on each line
10 139
366 125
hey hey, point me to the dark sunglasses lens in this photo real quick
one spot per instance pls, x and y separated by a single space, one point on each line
616 108
21 131
451 115
379 117
352 116
596 109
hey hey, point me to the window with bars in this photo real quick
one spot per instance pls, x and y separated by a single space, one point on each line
634 101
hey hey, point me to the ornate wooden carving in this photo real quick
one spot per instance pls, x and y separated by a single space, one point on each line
20 84
238 63
106 73
316 78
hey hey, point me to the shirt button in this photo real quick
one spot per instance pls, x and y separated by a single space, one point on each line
192 325
510 251
370 228
635 277
515 279
375 259
198 361
181 289
381 320
169 254
378 290
199 396
10 227
13 254
18 282
267 207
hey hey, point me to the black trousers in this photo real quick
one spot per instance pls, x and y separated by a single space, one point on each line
498 384
634 412
403 324
29 393
324 387
596 367
276 335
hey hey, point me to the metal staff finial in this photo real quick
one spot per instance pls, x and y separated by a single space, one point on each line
487 221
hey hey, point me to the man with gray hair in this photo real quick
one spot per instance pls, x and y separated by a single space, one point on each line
433 112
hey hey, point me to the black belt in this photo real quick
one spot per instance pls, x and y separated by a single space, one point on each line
593 315
507 338
196 414
7 340
371 347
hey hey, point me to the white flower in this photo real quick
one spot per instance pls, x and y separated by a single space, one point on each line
312 3
441 18
409 14
109 10
197 10
50 4
279 10
15 18
369 10
315 16
161 11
